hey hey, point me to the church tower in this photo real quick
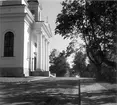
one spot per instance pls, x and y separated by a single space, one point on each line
35 8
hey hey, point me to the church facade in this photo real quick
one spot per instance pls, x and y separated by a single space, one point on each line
24 39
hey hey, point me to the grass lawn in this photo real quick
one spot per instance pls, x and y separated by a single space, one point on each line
58 91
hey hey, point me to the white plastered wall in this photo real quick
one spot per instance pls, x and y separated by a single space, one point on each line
17 28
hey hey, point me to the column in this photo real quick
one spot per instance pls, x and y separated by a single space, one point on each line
42 52
29 57
39 49
47 56
38 52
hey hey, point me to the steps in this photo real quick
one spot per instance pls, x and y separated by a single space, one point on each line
40 73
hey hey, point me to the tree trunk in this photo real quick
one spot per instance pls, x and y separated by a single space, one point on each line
99 76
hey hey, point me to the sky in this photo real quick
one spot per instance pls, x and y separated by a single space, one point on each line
50 10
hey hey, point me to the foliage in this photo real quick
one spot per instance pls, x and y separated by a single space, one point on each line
91 69
95 22
74 46
54 53
79 63
59 64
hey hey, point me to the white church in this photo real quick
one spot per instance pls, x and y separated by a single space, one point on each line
24 39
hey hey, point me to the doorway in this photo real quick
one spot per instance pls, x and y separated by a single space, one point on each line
35 63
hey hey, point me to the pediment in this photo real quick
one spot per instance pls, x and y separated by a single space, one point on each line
42 27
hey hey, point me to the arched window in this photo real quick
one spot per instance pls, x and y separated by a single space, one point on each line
8 44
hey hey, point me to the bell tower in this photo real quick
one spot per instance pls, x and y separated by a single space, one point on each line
35 9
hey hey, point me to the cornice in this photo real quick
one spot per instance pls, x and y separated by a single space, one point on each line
12 15
13 2
14 9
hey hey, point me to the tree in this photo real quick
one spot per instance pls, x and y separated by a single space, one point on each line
54 53
91 69
95 22
59 65
79 63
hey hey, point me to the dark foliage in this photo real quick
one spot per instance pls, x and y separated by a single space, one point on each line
59 65
95 22
80 63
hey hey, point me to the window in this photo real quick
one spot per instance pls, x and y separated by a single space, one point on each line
35 45
8 44
33 12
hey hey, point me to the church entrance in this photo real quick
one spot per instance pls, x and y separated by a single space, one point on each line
35 63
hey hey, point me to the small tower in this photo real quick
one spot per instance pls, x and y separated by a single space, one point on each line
35 9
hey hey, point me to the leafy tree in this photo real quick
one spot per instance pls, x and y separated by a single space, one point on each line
73 47
54 53
60 66
79 63
95 22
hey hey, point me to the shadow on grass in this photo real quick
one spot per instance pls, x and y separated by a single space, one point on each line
99 97
61 92
39 93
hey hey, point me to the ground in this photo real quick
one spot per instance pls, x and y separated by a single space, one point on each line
56 91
